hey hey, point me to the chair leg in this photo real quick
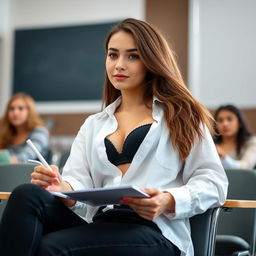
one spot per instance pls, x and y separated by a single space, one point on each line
213 231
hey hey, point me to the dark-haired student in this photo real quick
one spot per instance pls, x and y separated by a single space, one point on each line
234 142
152 134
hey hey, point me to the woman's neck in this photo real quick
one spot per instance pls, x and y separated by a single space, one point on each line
20 136
229 140
21 130
132 101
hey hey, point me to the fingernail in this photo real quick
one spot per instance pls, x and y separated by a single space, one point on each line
124 200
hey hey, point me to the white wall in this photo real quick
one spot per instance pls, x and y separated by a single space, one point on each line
4 35
2 16
222 46
50 13
222 67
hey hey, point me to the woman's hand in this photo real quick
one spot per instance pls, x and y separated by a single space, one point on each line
150 208
44 177
48 179
14 160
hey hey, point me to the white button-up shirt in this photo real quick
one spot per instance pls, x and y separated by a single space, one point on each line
196 184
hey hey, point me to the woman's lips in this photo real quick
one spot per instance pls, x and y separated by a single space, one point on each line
120 77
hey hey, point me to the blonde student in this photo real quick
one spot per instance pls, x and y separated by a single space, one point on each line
20 122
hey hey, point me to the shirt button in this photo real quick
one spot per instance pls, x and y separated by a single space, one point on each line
138 157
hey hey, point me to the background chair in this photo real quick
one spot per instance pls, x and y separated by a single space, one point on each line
237 227
49 156
12 175
203 232
63 158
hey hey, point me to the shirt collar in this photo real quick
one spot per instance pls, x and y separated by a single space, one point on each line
157 110
155 99
111 108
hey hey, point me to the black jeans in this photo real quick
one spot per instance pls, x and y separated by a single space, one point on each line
37 223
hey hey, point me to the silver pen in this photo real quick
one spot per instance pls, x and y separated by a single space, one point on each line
41 158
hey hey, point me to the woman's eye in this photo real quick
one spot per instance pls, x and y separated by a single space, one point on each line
112 55
133 57
18 108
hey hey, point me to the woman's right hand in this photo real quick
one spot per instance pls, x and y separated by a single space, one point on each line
44 177
48 179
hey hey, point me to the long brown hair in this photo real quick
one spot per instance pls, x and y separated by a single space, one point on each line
183 113
7 130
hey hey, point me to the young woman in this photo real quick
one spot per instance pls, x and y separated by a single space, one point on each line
21 122
152 134
234 142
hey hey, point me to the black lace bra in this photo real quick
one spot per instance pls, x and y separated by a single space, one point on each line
130 146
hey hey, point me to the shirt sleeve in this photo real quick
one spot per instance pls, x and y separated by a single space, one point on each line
229 163
248 159
205 181
40 138
76 170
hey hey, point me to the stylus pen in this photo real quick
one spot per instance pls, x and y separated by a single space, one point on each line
40 157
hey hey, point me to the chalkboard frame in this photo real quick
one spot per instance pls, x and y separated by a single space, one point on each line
60 64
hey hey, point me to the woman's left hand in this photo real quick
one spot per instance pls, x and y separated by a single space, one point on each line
150 208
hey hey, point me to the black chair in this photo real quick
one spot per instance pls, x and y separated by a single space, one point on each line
63 158
49 156
237 227
203 232
12 175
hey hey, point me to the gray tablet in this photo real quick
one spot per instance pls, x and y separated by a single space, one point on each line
103 196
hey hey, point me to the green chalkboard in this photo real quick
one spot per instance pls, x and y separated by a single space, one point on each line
60 63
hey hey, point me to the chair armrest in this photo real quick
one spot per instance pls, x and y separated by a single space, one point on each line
239 204
4 195
229 204
227 244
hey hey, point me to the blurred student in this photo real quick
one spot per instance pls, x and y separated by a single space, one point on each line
234 142
19 123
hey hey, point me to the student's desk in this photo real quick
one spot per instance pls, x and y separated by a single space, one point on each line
239 204
227 204
4 195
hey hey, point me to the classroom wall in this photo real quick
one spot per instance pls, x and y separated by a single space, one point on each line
214 42
48 13
204 34
171 17
222 52
4 14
